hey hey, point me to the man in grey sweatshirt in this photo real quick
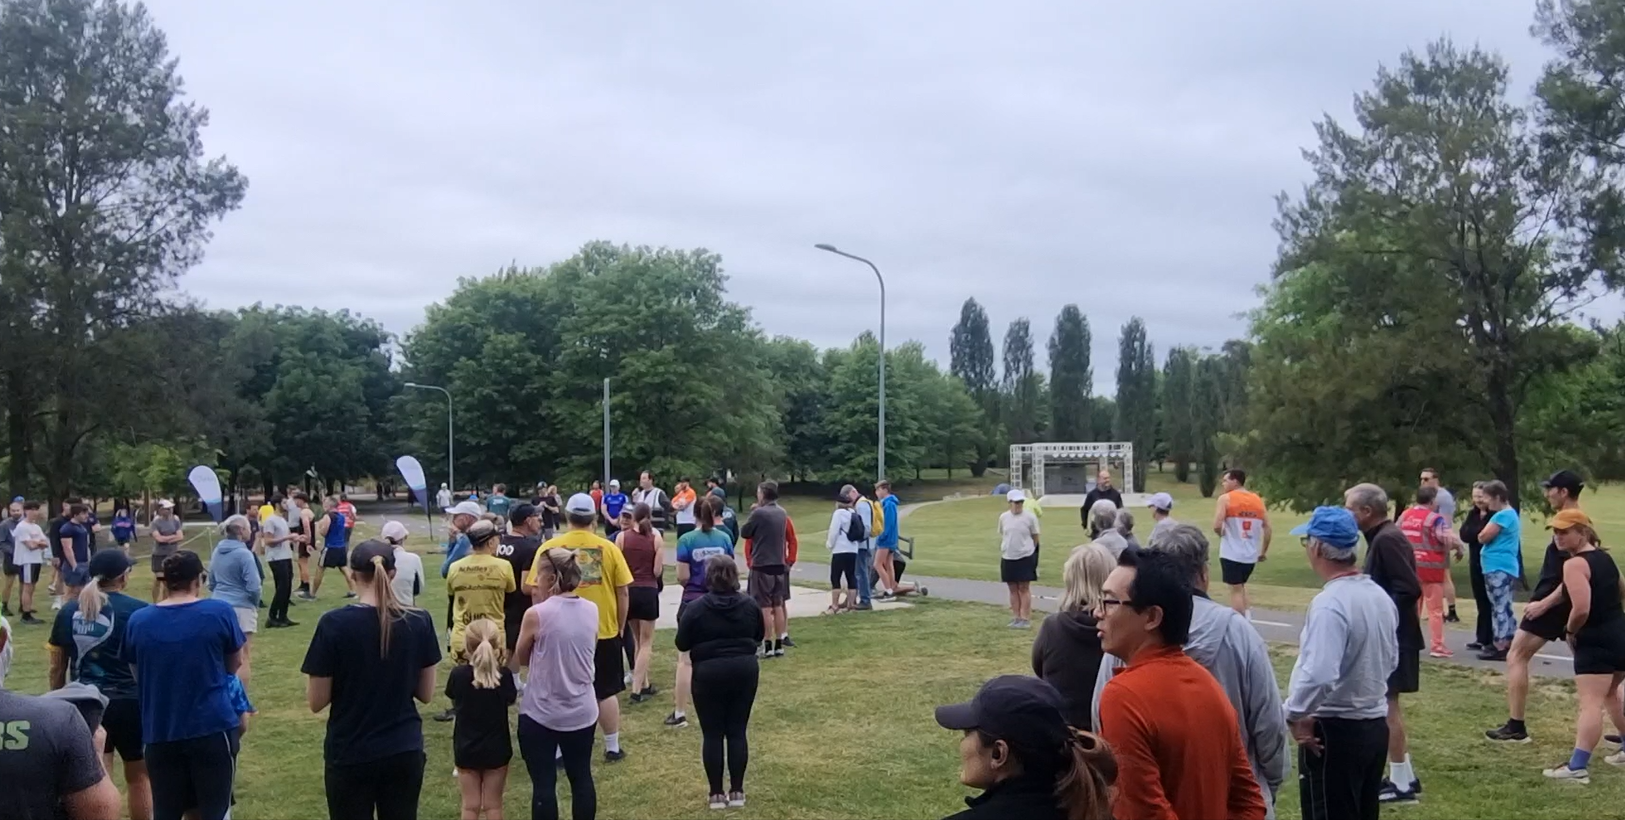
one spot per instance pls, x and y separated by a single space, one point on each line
1223 642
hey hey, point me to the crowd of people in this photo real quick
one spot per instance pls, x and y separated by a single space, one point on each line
1148 698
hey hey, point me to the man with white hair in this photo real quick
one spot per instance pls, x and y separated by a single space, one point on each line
1103 489
1103 528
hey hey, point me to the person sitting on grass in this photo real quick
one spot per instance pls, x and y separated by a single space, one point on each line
482 692
1029 764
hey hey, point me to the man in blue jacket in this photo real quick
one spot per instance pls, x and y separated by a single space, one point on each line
234 577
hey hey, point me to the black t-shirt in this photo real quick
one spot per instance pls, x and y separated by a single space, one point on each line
519 551
480 739
53 533
373 715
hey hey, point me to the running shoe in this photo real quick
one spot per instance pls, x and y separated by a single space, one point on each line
736 800
1506 733
1437 654
787 643
1493 654
778 652
1615 759
1611 738
1475 646
1389 793
349 594
30 620
5 610
446 717
719 801
1568 775
614 757
677 721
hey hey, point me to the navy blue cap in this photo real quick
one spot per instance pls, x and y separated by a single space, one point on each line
110 563
1333 526
1025 712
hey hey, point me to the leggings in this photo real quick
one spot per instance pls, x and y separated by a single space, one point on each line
192 773
1502 622
540 747
282 575
724 691
843 563
387 788
629 642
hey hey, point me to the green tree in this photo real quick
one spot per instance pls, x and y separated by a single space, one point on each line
1178 409
971 359
1136 395
1071 378
798 371
1208 387
105 197
1024 414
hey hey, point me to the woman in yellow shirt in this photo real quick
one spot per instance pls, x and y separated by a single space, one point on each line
478 585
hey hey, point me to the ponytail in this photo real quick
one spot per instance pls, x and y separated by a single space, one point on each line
642 519
705 513
1084 786
561 564
92 599
389 609
486 654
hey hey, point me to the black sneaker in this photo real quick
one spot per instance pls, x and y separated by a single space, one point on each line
349 594
614 757
1475 646
29 619
638 697
446 717
649 692
1389 793
5 610
1493 654
787 643
1451 617
1507 733
1416 787
677 721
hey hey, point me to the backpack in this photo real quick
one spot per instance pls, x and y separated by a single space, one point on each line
855 531
879 518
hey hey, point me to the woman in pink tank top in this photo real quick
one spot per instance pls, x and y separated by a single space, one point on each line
558 711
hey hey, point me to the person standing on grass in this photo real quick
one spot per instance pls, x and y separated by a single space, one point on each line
558 641
1444 503
613 502
1067 652
279 540
1502 537
483 691
1472 525
683 499
166 540
1226 644
1243 526
74 535
770 552
552 512
694 552
1431 539
1391 563
369 661
409 578
442 499
1019 750
87 643
1124 525
9 569
334 533
234 578
646 557
479 584
32 549
660 509
713 486
1595 631
350 517
886 542
846 532
498 503
123 529
1171 725
518 547
302 524
865 511
1547 613
1162 519
721 632
1018 557
1337 701
605 580
183 651
1103 489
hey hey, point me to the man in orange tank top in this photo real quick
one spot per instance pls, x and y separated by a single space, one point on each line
1243 526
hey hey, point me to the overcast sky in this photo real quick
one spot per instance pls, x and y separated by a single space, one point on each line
1122 156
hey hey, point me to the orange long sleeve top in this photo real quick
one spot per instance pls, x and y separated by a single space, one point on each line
1177 741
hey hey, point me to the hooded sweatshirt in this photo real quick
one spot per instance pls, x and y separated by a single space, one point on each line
1067 653
234 575
1224 643
720 625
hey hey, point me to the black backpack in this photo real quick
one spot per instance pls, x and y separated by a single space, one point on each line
856 532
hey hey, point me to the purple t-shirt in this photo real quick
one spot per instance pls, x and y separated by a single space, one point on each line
558 689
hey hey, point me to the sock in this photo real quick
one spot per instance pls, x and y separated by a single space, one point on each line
679 714
767 646
1452 610
778 646
1579 760
1400 775
785 637
1515 725
612 741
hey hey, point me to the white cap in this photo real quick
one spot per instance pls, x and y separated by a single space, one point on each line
1015 496
614 482
1161 501
166 504
581 504
393 532
465 508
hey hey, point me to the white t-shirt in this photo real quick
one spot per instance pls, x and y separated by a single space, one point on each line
24 533
408 576
1018 534
443 498
276 526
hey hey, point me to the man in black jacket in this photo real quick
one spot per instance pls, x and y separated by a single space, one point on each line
1103 489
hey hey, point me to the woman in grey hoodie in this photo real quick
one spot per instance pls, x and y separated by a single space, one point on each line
234 577
1067 652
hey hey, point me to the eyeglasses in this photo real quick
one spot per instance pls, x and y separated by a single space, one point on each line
1106 604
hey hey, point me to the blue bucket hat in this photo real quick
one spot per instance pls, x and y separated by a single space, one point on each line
1332 526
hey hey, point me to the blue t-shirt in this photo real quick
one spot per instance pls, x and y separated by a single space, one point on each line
179 653
124 528
697 547
498 505
94 647
613 502
80 533
1501 553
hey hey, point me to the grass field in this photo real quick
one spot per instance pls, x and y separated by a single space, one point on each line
843 728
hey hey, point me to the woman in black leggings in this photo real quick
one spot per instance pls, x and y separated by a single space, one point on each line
721 632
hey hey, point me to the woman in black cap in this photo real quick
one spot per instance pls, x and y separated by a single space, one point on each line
1019 750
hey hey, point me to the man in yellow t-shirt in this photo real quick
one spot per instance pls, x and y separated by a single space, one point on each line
604 581
478 585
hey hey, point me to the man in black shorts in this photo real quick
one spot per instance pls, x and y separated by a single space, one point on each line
772 552
9 570
1546 617
518 547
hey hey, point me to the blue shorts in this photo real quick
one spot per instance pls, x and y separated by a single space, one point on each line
76 576
892 547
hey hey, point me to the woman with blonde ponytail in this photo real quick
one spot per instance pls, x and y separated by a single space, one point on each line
558 640
481 692
369 661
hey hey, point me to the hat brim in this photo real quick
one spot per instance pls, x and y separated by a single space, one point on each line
1301 529
959 717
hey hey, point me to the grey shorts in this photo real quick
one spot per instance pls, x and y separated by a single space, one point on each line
769 590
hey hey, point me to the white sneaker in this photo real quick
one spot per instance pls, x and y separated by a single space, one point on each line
56 604
1563 772
1615 759
736 800
719 801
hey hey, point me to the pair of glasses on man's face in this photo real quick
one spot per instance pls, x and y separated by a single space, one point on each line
1108 604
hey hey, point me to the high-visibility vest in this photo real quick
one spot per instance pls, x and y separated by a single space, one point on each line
1419 525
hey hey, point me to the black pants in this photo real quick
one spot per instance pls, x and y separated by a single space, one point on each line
1481 595
193 772
540 747
386 789
724 692
629 642
1341 783
282 576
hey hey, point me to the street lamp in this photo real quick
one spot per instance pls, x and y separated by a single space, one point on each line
838 252
451 453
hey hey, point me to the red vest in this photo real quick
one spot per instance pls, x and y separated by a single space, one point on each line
1418 524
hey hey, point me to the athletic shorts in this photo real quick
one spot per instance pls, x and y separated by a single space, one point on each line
28 573
608 669
1600 650
122 720
158 563
248 618
304 550
1019 570
75 576
843 564
8 566
335 558
643 604
768 589
897 567
1551 626
1407 677
1235 572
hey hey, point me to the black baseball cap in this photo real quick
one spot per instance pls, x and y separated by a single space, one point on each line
110 564
1565 480
361 557
520 512
1025 712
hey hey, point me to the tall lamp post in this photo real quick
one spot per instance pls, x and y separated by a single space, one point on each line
881 471
451 452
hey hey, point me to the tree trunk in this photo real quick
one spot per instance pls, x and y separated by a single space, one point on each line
1503 426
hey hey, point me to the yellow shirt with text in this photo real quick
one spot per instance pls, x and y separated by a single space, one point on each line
603 571
478 585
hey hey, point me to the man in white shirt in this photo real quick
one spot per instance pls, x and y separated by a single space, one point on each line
31 548
1018 553
278 539
408 581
